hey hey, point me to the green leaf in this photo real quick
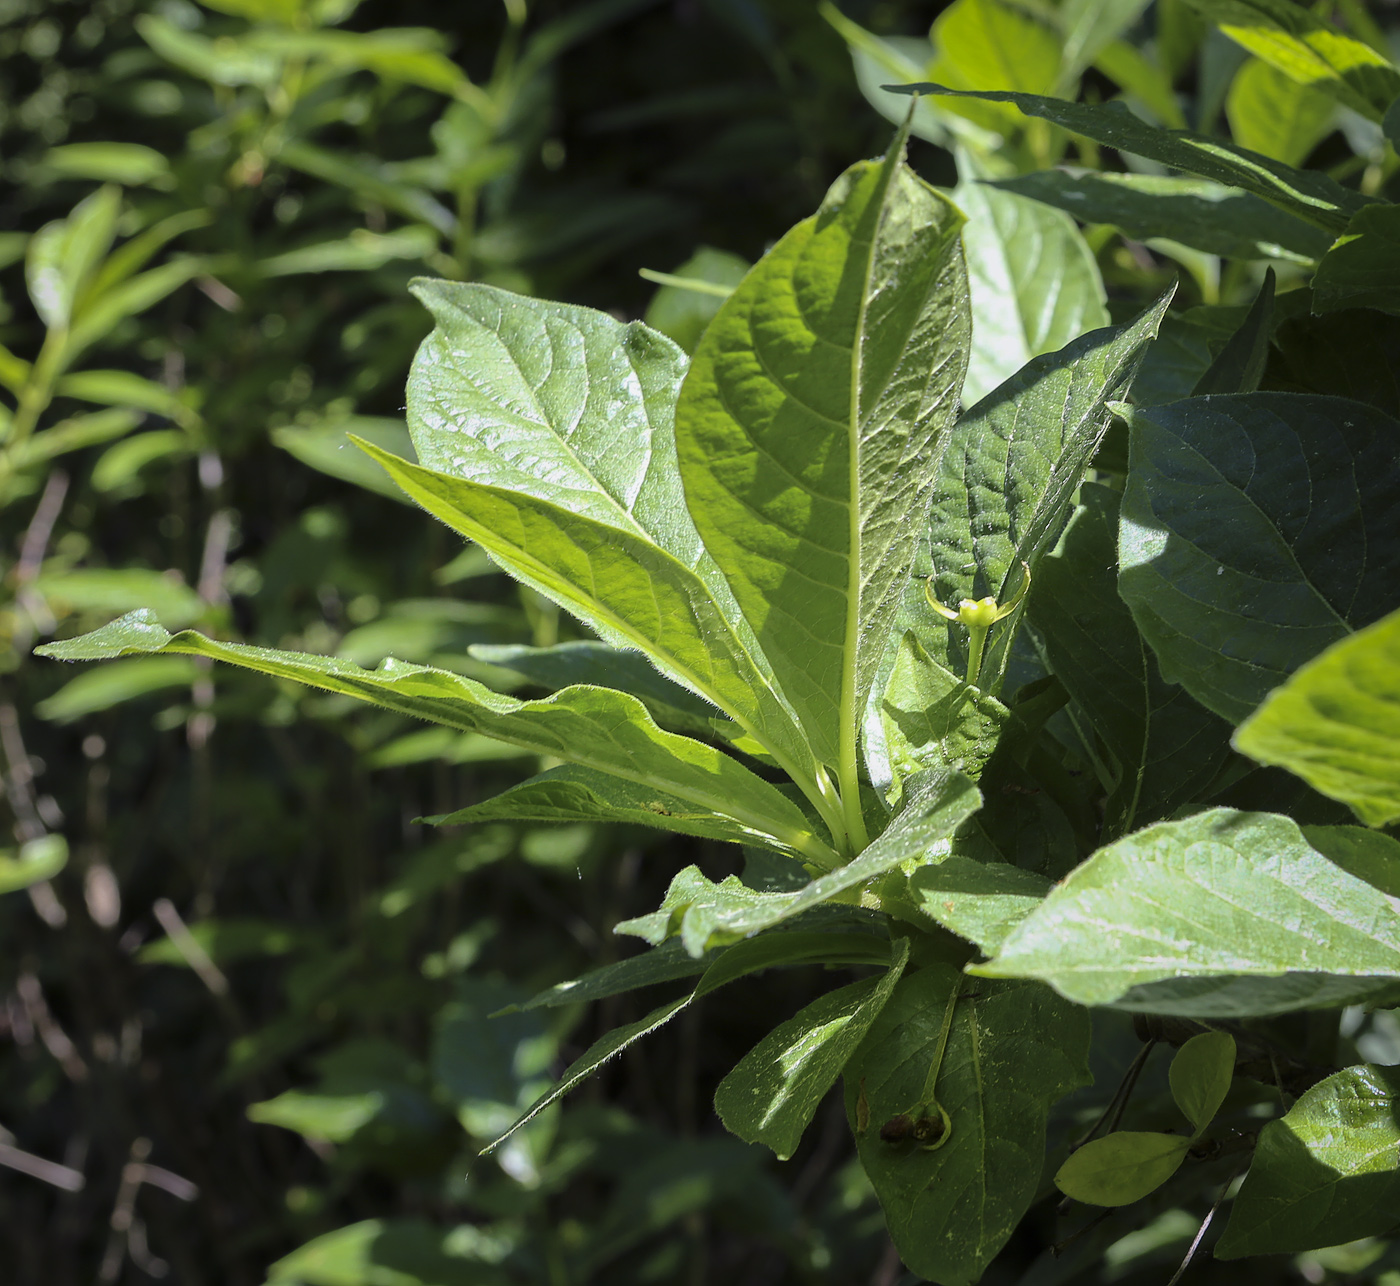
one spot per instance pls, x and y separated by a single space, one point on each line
1325 1173
328 448
228 61
106 305
1366 854
771 1095
683 314
1012 1051
63 256
1239 366
1362 270
1089 27
808 426
34 860
372 179
704 914
1222 895
106 590
388 1252
929 718
1353 354
409 54
1196 212
547 435
1308 194
1166 748
361 251
1336 723
604 730
122 388
1010 471
1256 530
1034 283
1122 1167
1200 1077
129 164
1307 49
110 685
1272 113
981 901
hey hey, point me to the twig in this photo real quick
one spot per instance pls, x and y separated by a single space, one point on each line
1201 1231
61 1176
55 1039
188 946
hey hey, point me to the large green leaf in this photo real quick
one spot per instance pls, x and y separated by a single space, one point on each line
771 1094
1257 529
1196 212
1336 723
1309 194
1222 895
1009 474
1309 50
1326 1172
598 728
1034 282
808 428
1013 1049
1272 113
546 434
1362 270
1352 354
981 901
704 914
1165 746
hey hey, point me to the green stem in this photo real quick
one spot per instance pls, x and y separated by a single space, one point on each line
37 393
976 641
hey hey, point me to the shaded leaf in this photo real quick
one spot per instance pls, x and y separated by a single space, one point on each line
1122 1167
1200 1077
1239 366
1256 530
1362 270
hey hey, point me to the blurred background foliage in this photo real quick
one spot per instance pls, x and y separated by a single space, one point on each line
246 1029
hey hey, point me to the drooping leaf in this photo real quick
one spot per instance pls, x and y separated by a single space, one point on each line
1166 746
1256 530
1272 113
1200 1076
1362 270
1239 366
772 1093
1199 213
1300 44
1325 1173
598 728
1009 474
1122 1167
808 426
704 914
1012 1051
546 434
1336 723
1223 895
1308 194
1034 282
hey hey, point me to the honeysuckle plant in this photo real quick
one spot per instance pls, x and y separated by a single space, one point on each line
1000 816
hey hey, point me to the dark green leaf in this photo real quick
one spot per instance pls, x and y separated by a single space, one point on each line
1362 270
1239 366
1013 1049
1220 895
1308 194
1324 1174
1196 212
1009 474
1336 723
1257 529
1353 354
771 1095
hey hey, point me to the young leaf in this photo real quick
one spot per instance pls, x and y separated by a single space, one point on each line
808 426
1239 367
1200 1077
1325 1173
1309 194
1362 270
1122 1167
545 433
1012 466
1034 283
1012 1051
598 728
772 1093
1166 746
1196 212
1224 895
1336 723
705 914
1227 496
63 256
1301 45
